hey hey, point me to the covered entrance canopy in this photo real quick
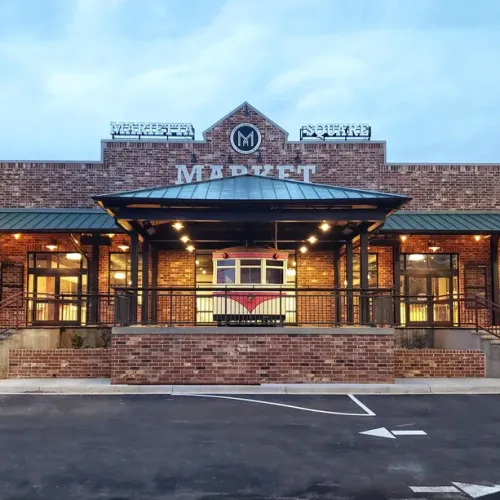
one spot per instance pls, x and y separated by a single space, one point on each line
252 210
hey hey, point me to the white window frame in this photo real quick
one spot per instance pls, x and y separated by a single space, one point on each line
219 263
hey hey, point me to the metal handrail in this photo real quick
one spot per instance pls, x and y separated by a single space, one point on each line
14 316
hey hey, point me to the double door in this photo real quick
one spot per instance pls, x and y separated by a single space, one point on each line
55 296
430 298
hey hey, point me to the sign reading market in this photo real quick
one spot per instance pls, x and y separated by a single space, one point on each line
197 173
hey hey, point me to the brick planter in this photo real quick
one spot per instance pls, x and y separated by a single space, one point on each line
253 358
59 363
438 363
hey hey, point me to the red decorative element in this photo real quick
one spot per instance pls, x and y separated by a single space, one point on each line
249 300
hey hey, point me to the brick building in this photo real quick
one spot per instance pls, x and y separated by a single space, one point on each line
310 233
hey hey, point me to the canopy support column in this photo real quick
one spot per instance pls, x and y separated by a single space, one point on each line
145 283
364 303
396 273
134 273
336 283
93 303
154 285
495 292
349 258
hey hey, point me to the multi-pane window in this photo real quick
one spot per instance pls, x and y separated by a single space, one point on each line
432 261
250 271
56 260
372 271
226 271
120 269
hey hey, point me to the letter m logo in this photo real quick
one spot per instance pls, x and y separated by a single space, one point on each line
245 140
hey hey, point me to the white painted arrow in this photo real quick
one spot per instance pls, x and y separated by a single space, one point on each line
380 432
385 433
477 490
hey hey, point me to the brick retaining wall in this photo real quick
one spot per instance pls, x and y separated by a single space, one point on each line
59 363
254 358
437 363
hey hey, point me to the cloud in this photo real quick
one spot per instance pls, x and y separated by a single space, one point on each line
424 78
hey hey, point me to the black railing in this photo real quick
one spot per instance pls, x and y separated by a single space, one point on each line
243 306
218 306
28 309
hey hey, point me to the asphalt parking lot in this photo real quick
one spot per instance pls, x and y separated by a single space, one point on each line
297 447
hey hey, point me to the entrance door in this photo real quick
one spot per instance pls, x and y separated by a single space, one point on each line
430 299
56 291
57 298
430 288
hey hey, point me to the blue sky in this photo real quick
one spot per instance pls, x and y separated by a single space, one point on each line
424 73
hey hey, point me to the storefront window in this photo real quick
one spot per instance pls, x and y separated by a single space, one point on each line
120 269
57 284
204 269
372 271
434 261
56 260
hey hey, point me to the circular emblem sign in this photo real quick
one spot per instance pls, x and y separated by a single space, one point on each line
245 138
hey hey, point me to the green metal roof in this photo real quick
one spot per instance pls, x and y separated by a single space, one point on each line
252 188
97 221
442 222
56 220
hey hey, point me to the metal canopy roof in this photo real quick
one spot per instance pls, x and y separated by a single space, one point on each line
442 222
45 220
98 221
252 188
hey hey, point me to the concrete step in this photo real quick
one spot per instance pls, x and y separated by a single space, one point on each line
6 334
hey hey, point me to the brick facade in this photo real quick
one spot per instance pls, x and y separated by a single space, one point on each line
256 358
135 164
59 363
438 363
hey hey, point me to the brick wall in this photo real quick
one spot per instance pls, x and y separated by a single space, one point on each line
135 164
315 269
251 359
438 363
59 363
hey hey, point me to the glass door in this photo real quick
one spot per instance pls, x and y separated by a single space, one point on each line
441 291
417 307
44 307
429 285
57 284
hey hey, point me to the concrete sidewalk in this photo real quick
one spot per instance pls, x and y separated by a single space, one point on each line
103 386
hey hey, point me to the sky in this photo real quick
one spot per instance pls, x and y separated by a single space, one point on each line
425 74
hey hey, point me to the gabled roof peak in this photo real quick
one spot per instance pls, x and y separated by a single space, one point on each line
245 105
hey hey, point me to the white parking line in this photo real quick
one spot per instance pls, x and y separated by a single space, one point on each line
368 413
361 405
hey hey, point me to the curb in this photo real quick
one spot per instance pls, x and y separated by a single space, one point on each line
103 387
